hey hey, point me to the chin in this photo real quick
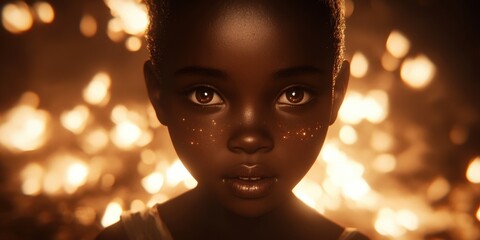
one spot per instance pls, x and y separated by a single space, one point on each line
253 208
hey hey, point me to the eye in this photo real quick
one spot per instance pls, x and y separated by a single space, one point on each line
294 96
205 96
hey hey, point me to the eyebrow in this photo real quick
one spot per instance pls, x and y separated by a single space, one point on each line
203 71
297 70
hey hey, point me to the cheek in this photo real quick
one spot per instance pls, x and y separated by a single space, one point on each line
299 146
309 133
196 133
198 143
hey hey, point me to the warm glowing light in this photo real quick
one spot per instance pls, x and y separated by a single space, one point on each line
417 72
137 205
438 189
88 26
153 182
473 171
396 223
85 215
148 156
132 15
386 224
478 213
348 135
107 181
389 62
376 106
52 183
344 173
458 135
397 44
125 134
157 199
119 114
95 140
407 219
351 111
97 91
16 17
384 163
44 11
359 65
131 128
24 128
349 7
381 141
356 189
177 173
308 191
133 44
66 171
330 153
114 30
112 214
75 120
76 176
32 176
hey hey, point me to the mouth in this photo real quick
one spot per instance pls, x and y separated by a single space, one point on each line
250 182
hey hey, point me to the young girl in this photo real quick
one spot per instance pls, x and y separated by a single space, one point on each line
247 90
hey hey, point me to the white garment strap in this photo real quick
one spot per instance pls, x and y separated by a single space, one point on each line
145 225
352 234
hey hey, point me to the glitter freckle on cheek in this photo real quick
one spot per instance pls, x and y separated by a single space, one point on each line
303 133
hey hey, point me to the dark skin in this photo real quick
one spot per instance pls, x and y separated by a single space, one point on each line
248 83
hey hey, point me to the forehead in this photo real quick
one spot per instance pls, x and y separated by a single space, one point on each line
275 33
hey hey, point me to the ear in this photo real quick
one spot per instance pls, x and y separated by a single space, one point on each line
339 89
152 81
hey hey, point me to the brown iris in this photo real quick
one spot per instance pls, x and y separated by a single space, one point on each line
204 95
295 95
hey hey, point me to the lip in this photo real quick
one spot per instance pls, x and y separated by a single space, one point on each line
250 182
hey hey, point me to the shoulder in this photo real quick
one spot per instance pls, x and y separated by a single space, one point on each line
115 231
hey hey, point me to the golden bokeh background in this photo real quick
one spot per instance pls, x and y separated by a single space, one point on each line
79 142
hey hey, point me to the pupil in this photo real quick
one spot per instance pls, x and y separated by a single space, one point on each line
295 95
204 95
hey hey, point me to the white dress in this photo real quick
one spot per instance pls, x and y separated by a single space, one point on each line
147 225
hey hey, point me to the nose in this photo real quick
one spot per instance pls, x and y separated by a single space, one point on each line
250 142
251 134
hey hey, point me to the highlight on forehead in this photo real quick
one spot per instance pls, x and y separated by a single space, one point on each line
245 25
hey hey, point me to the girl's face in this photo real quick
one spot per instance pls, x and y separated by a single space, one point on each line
246 95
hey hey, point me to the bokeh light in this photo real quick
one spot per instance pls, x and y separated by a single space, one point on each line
397 44
473 171
76 119
418 72
24 127
16 17
112 213
88 26
359 65
97 91
44 11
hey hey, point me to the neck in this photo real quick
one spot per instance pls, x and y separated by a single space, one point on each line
221 218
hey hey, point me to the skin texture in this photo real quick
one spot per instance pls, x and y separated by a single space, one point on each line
249 83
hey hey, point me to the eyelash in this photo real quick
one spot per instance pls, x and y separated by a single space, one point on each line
213 98
306 95
194 95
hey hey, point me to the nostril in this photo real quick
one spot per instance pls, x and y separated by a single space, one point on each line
250 143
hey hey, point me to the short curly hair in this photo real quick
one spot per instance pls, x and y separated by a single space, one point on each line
159 10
